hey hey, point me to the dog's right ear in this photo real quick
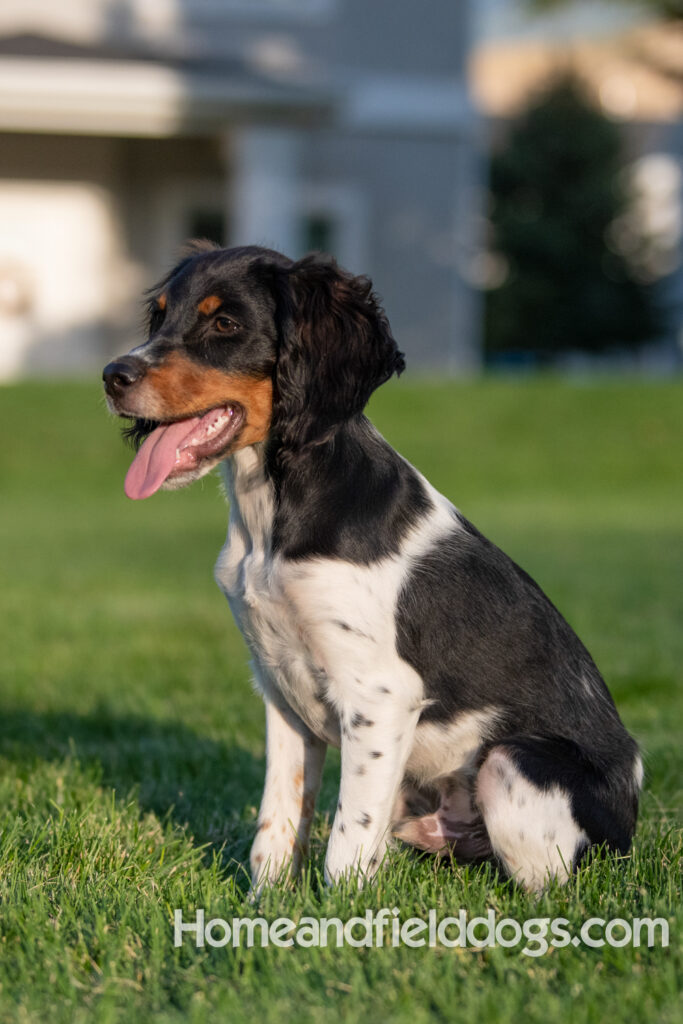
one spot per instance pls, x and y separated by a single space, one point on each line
334 348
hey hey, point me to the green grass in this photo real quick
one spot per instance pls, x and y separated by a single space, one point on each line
131 743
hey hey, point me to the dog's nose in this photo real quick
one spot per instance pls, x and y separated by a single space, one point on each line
121 373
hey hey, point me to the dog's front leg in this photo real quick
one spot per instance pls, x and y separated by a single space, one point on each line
374 750
294 764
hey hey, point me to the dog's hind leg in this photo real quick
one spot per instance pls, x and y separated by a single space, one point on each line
544 803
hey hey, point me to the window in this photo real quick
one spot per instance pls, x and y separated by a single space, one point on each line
333 218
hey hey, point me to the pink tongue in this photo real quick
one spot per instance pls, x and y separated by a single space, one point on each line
156 458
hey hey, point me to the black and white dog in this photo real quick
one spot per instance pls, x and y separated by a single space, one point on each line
471 719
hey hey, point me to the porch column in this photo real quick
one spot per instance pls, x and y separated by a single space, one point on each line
263 169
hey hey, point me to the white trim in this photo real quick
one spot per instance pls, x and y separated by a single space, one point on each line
126 98
90 21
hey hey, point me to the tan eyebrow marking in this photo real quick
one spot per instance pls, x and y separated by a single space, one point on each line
161 302
209 305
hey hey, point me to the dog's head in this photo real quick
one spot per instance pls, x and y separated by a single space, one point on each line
244 345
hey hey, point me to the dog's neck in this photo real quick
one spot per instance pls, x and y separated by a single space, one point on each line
273 500
250 493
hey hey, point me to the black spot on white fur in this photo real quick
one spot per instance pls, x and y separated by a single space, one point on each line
359 720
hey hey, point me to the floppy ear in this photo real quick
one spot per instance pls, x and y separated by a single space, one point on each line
335 348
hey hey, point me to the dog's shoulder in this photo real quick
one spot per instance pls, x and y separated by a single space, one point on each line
352 498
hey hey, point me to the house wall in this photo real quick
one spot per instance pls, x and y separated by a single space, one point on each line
417 235
87 224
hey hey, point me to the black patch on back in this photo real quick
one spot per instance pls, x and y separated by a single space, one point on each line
481 633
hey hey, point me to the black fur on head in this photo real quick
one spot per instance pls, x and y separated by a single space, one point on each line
137 429
335 348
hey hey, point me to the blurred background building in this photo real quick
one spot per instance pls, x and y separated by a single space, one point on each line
131 125
360 128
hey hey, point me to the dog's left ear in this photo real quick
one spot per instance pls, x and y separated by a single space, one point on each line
335 348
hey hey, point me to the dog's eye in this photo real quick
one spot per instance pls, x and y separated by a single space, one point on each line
225 325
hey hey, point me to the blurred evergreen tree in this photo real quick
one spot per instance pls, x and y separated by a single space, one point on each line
667 9
556 187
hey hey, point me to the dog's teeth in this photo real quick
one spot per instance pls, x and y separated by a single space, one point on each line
212 428
215 426
209 431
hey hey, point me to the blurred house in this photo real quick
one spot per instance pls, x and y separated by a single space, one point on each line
632 65
127 126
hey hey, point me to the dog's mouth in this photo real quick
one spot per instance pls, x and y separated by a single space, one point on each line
172 449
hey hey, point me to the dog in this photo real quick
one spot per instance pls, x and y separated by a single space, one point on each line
472 721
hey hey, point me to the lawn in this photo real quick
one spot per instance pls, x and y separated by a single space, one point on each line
131 743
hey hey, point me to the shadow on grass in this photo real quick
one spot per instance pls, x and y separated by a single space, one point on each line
209 788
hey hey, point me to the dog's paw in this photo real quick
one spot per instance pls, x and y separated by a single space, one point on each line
274 858
344 863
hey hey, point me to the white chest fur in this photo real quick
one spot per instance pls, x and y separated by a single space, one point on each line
253 582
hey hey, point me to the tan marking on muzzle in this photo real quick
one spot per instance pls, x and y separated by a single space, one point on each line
179 389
